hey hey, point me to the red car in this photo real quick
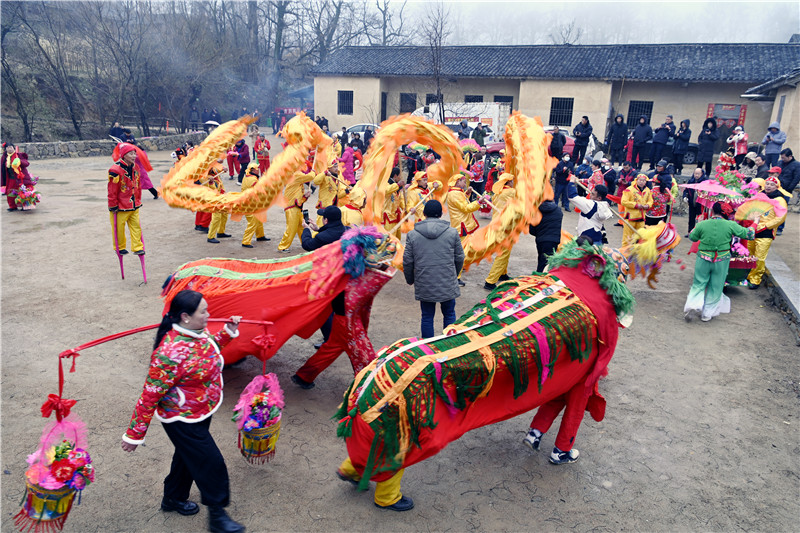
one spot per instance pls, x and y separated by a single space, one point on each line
569 146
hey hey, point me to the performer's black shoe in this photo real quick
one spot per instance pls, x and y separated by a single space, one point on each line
220 522
752 286
247 246
303 384
504 277
347 478
262 239
215 241
12 209
405 504
140 252
200 228
489 286
318 345
223 235
461 283
123 252
186 508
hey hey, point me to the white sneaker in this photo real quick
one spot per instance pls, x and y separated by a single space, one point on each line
557 457
706 318
533 439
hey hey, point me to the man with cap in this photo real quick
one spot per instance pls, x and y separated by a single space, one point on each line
432 261
503 191
125 199
661 174
295 194
661 136
331 230
562 172
254 225
765 229
334 331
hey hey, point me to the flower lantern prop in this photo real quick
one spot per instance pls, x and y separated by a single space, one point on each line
59 468
258 416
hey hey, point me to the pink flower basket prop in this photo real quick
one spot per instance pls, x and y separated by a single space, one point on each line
58 469
258 416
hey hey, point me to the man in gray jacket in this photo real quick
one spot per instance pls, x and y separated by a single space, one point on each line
773 143
431 262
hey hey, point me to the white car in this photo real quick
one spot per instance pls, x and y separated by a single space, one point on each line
358 128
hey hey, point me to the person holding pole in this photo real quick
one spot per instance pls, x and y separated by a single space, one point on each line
125 199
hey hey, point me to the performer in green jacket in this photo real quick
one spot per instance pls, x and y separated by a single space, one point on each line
705 297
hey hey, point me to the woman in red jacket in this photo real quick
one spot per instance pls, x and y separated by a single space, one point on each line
183 390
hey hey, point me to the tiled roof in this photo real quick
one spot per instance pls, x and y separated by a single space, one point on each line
746 63
785 79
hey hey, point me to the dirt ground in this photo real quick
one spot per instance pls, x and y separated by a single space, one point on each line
701 430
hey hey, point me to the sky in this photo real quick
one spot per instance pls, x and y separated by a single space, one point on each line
531 22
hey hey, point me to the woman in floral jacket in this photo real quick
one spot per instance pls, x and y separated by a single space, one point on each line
183 389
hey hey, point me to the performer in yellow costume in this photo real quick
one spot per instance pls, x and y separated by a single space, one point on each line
462 211
765 231
254 226
331 189
636 200
295 195
394 207
503 190
353 204
416 193
216 228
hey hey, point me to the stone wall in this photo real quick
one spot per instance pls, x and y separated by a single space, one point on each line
105 147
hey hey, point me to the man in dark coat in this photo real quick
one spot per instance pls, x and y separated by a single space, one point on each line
547 232
431 262
205 117
368 136
642 133
557 144
194 118
582 133
609 176
616 140
116 131
681 146
762 168
705 144
661 136
691 198
331 230
790 175
479 134
561 173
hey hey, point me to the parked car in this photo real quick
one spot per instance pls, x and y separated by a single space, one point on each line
361 128
569 146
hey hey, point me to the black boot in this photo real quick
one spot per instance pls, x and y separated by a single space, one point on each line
220 522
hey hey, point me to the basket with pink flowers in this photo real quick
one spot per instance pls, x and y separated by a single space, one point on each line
258 416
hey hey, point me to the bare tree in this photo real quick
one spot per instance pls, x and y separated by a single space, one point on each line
10 21
386 26
566 33
51 40
436 30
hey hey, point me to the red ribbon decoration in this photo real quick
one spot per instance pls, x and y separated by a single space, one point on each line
55 403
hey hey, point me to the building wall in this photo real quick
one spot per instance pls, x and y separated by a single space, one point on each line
452 90
590 98
366 100
789 117
690 102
